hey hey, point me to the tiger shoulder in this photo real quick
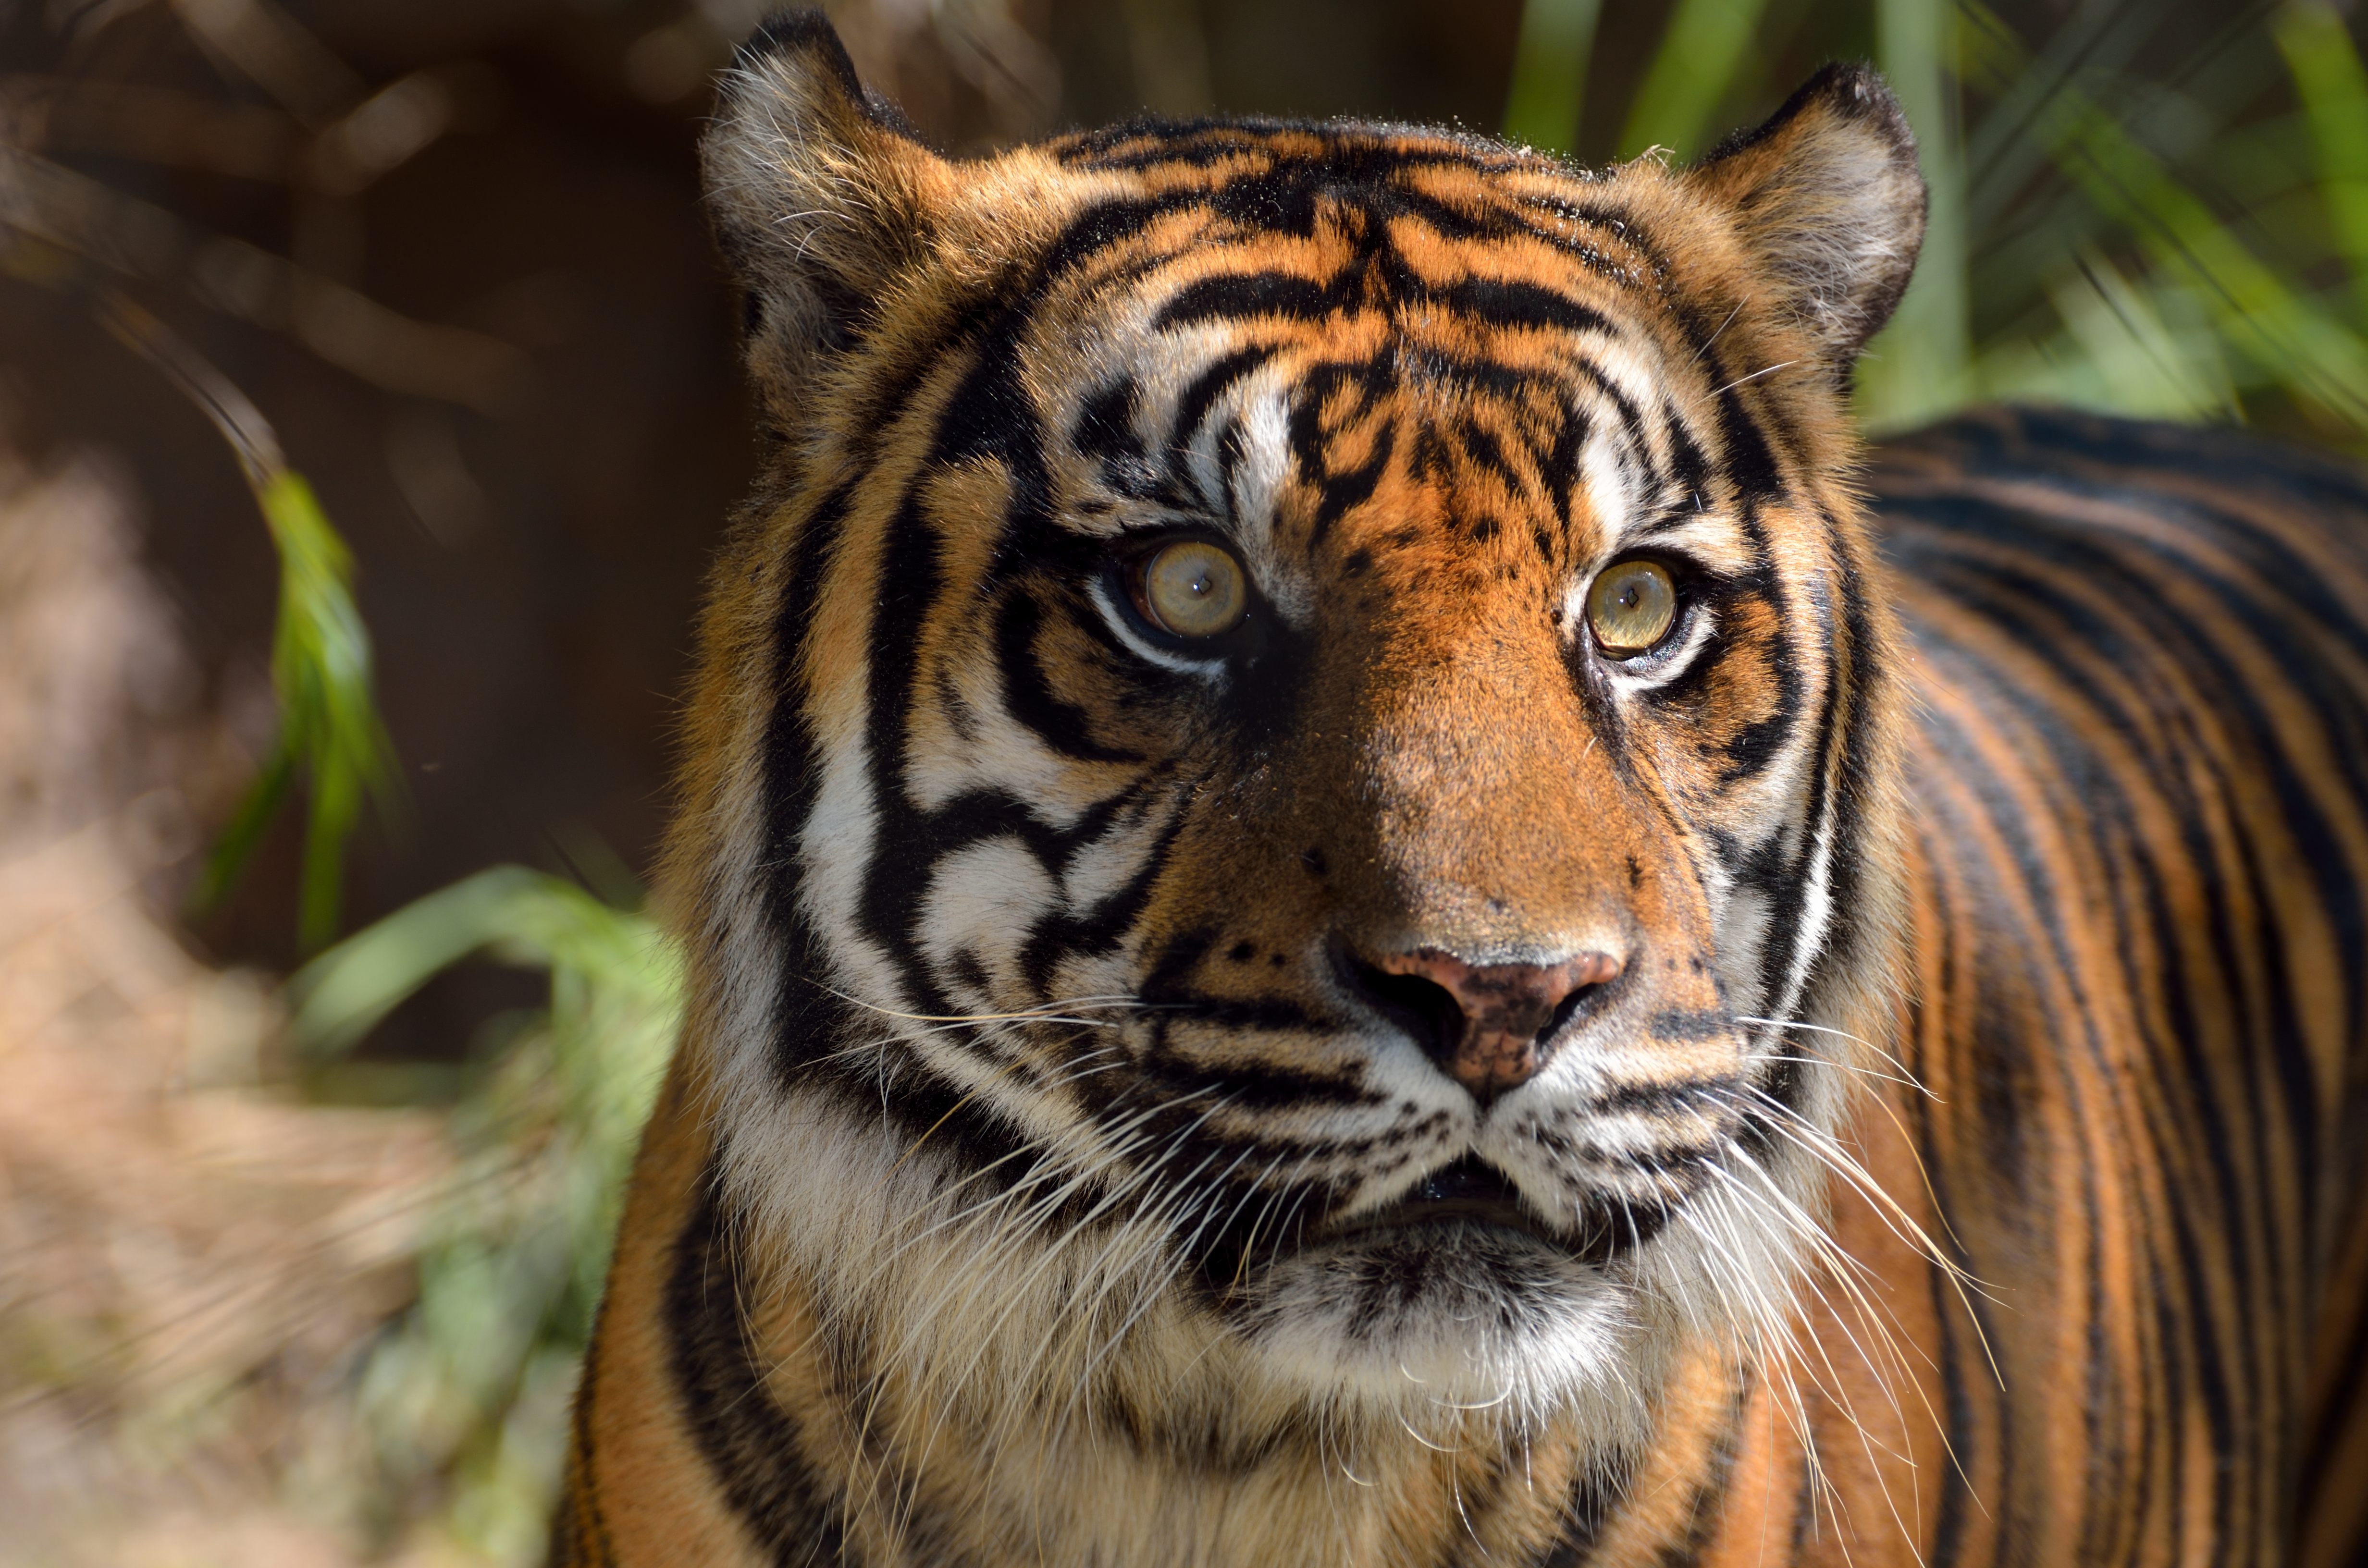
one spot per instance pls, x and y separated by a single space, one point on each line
1358 893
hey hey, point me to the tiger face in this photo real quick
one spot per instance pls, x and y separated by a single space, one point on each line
1291 793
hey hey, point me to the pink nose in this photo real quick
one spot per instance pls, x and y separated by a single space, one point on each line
1506 1008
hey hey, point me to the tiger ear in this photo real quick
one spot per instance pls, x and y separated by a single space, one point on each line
819 192
1828 199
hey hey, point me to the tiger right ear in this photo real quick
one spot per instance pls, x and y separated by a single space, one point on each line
821 195
1828 199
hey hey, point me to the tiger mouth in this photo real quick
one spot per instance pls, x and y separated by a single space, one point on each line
1473 1192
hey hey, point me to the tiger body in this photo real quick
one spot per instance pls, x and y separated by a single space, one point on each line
1400 1070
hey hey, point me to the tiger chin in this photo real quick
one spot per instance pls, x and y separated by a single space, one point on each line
1304 937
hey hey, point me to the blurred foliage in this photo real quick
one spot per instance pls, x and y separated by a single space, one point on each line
1543 101
472 1384
2167 302
1691 73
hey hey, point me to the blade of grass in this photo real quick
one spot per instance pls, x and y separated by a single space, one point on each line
257 810
517 917
2112 190
1690 75
1549 87
2121 344
320 671
329 726
2333 86
2005 150
1918 367
463 1389
2316 355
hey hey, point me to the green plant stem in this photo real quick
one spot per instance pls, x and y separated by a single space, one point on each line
1696 63
2333 86
1917 369
329 725
320 671
1549 87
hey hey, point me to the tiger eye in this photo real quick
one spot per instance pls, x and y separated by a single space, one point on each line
1192 589
1631 607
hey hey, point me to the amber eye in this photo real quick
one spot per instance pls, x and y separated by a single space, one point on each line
1191 588
1631 607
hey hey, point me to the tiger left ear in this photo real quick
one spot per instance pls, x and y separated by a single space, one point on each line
1829 201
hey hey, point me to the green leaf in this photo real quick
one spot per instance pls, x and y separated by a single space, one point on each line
2315 355
329 727
472 1384
321 674
243 836
525 919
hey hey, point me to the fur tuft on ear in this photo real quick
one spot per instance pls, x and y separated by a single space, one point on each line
821 195
1829 201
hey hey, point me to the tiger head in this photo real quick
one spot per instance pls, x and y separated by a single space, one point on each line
1292 781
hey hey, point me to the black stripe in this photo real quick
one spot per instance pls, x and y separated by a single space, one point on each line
2032 605
1781 951
1106 432
750 1443
1963 1365
1595 1496
1028 693
1206 387
1508 304
1706 1508
808 1019
1339 492
1239 294
587 1543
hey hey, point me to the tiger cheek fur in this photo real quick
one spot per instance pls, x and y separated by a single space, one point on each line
1290 847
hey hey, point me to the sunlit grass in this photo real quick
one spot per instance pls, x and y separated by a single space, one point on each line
472 1384
2174 289
2153 245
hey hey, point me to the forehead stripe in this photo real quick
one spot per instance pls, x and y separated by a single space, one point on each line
1210 384
1239 294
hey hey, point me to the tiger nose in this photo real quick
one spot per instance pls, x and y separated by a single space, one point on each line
1489 1023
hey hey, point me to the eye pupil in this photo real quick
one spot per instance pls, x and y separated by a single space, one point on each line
1192 589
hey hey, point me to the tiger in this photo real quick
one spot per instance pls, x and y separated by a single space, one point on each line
1358 890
